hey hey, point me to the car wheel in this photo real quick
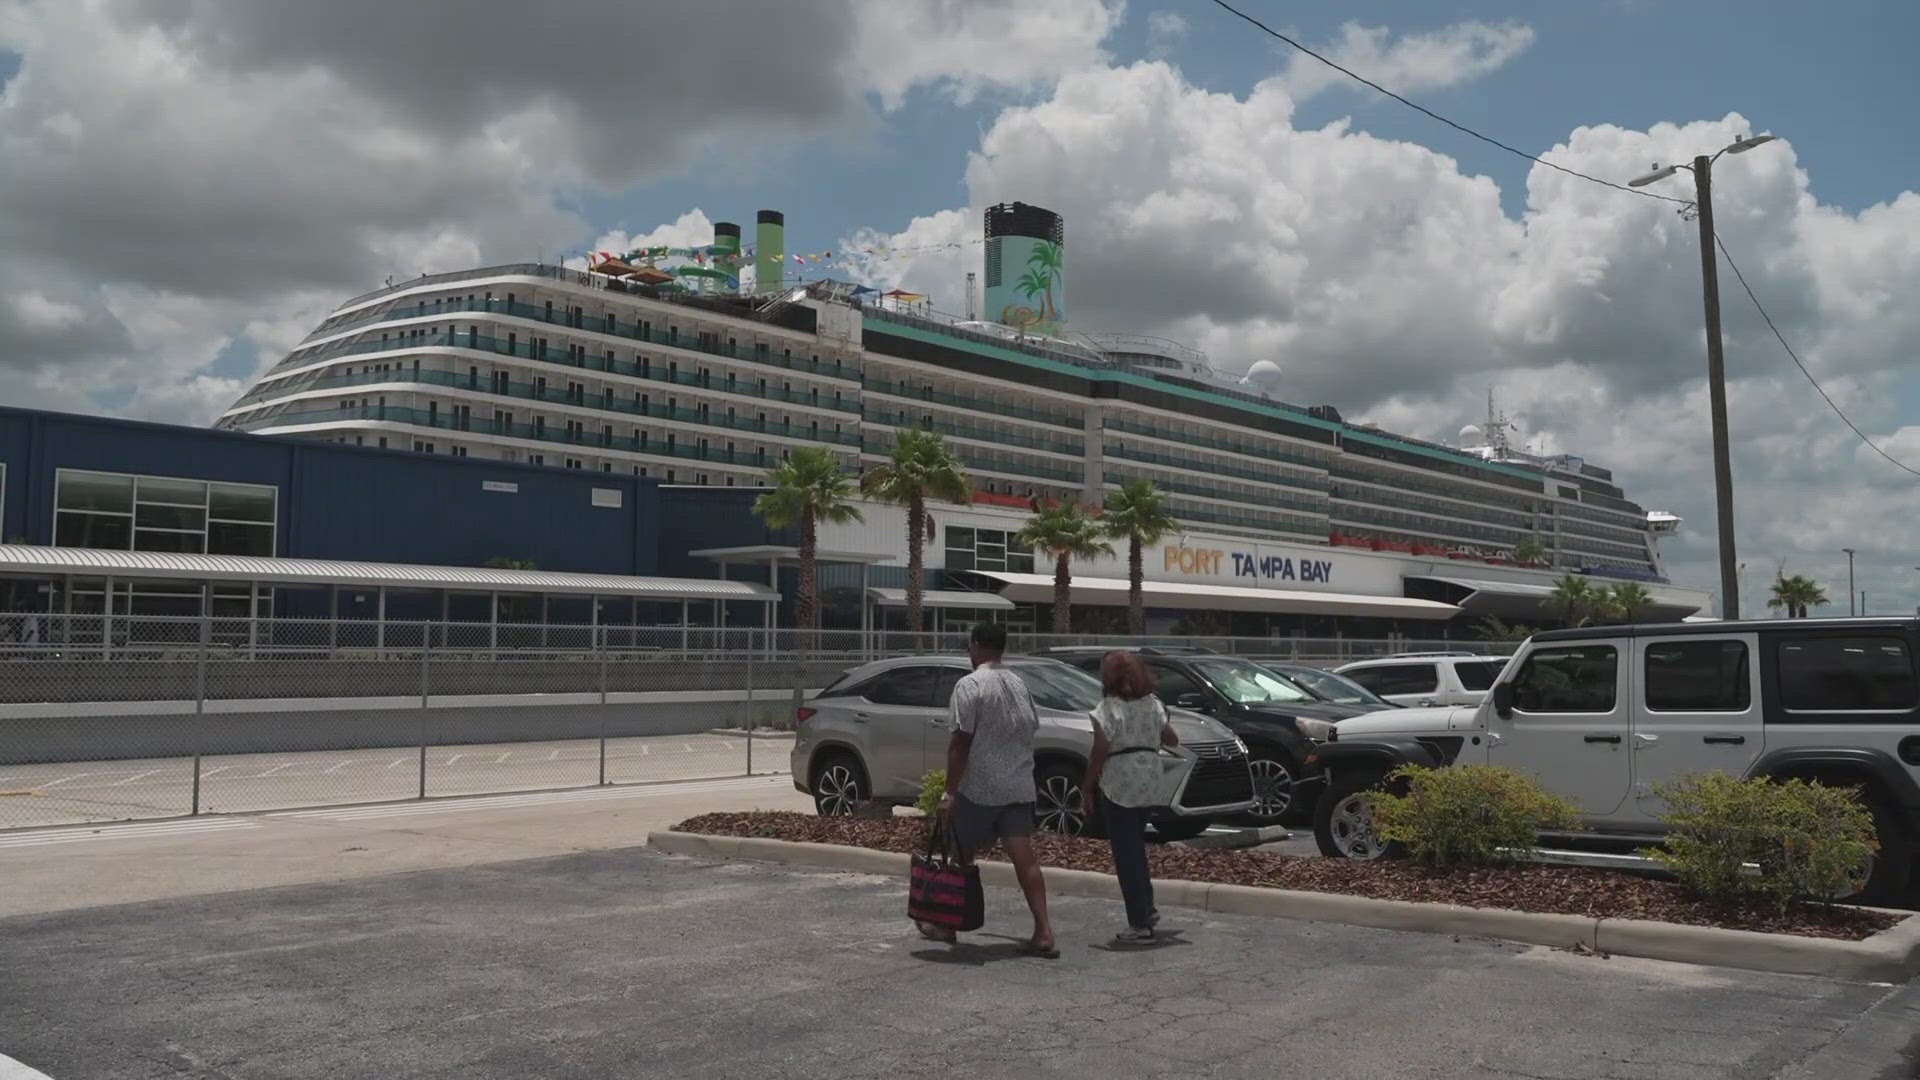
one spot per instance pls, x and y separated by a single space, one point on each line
1343 822
1176 829
1884 878
1057 805
839 785
1275 788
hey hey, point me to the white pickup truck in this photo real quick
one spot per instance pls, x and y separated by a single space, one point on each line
1601 715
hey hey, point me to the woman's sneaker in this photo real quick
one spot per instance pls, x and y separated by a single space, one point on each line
1134 935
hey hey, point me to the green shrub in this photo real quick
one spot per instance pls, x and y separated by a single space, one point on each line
933 787
1808 839
1466 814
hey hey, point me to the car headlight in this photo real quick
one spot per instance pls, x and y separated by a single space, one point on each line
1317 730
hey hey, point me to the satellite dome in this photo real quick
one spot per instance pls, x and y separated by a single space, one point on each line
1471 435
1264 374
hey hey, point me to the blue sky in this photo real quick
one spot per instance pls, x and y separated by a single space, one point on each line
1837 79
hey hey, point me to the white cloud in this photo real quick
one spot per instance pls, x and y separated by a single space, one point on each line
1408 63
234 163
1386 281
1165 29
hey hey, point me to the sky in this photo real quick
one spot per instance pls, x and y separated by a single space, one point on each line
188 186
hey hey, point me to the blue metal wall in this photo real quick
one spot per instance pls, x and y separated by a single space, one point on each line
349 502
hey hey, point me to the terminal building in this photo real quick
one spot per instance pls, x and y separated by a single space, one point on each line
664 387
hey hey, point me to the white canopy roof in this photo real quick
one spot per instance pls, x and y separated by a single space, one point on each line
1038 588
1523 599
941 598
21 559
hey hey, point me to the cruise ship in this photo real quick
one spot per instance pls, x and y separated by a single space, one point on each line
695 379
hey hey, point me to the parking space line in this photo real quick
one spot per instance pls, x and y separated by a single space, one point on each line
13 1070
534 798
141 831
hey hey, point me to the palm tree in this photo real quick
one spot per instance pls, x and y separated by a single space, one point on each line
1627 600
1529 551
808 488
921 468
1066 532
1492 628
1137 513
1796 594
1575 599
1046 258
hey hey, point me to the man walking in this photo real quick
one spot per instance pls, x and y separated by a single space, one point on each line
990 792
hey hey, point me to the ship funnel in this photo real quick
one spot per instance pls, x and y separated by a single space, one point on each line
770 252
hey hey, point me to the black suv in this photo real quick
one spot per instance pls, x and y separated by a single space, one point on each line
1279 721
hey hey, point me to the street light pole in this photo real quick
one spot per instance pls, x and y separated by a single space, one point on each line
1702 169
1851 595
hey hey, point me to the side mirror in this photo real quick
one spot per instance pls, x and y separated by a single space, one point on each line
1195 702
1503 700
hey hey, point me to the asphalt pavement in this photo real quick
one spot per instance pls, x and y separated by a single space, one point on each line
625 962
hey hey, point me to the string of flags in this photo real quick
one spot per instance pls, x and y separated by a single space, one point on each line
730 257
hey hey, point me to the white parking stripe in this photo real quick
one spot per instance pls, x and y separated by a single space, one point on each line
150 830
13 1070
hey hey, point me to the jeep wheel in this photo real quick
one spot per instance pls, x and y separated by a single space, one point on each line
839 784
1343 820
1884 878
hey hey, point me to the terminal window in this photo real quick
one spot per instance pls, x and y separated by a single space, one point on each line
156 513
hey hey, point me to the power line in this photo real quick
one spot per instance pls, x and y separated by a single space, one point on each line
1456 126
1742 278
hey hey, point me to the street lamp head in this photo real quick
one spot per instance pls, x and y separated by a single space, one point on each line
1658 173
1748 142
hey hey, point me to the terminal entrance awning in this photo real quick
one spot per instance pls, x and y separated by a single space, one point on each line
1525 600
23 560
942 598
1038 589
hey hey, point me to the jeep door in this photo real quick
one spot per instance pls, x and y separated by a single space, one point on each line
1699 711
1568 725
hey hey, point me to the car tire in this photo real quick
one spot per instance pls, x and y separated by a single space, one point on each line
1892 867
1276 788
839 784
1343 824
1173 830
1057 801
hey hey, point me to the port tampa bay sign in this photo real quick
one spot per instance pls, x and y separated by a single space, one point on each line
1247 564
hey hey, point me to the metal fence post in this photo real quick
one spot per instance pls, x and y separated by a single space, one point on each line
199 707
424 654
600 645
750 709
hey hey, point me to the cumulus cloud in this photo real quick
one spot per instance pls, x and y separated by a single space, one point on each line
234 163
1385 279
1165 29
1408 63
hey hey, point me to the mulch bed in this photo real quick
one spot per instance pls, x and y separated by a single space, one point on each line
1551 889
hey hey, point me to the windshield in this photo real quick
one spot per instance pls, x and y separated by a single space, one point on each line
1059 687
1335 688
1245 683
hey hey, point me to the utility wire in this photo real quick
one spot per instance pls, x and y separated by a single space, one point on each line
1742 278
1271 32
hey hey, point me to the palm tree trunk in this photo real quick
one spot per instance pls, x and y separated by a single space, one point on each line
916 559
1062 595
809 613
1136 594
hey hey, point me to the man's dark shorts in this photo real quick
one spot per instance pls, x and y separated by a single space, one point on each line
976 827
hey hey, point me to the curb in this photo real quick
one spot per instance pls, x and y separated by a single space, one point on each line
1893 955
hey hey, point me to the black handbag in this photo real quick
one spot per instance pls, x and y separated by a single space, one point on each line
943 892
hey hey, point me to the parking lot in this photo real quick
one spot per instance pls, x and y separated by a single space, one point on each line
630 963
74 792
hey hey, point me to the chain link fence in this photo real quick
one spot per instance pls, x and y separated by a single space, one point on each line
116 717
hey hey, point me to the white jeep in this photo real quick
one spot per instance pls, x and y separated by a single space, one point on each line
1602 715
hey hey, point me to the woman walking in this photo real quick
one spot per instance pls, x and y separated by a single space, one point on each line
1124 778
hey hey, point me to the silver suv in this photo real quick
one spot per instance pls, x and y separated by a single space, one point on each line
879 728
1423 680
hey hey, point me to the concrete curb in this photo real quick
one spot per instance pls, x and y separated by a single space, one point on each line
1893 955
